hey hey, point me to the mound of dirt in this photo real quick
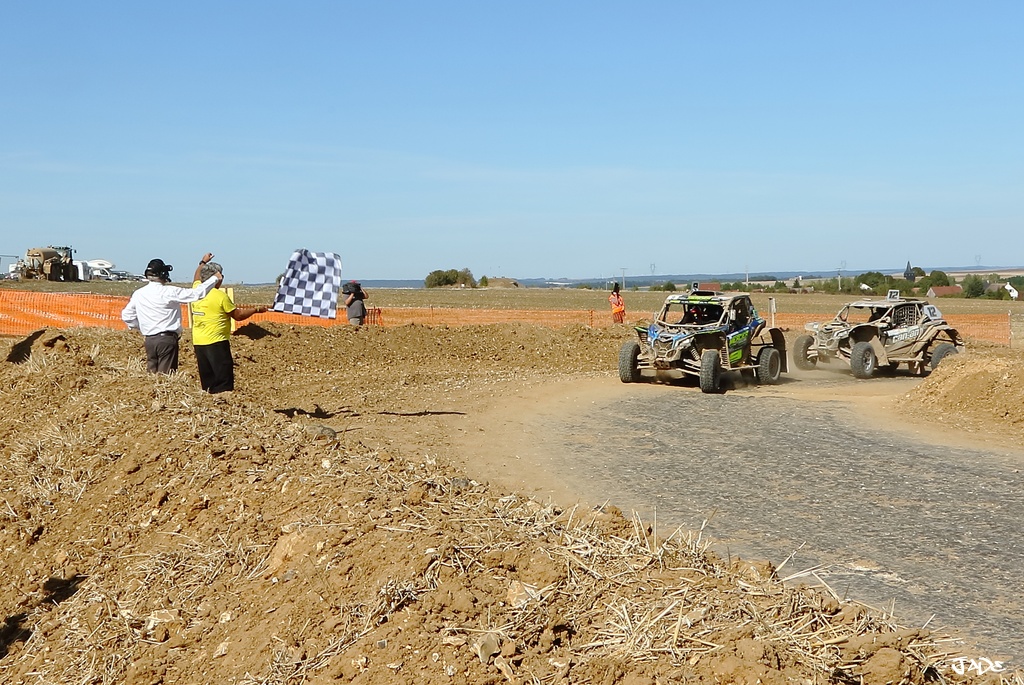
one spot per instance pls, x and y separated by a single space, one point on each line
309 528
980 392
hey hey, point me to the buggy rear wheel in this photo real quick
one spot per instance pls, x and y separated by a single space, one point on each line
629 370
801 353
710 371
941 351
863 361
769 366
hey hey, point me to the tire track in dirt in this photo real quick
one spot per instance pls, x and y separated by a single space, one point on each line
934 529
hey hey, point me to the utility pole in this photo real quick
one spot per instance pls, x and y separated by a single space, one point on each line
623 286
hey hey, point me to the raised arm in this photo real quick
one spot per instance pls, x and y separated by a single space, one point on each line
202 262
186 295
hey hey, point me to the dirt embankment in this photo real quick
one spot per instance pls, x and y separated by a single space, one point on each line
311 527
980 392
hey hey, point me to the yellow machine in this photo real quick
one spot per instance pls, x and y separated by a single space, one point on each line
49 263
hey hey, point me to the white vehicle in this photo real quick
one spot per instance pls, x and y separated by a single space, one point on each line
83 270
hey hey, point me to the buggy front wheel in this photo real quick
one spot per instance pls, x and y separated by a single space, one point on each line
941 351
802 353
710 371
769 366
863 361
629 369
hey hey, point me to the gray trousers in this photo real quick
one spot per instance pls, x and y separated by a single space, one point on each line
162 352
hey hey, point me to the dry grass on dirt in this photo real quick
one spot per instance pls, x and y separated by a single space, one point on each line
310 528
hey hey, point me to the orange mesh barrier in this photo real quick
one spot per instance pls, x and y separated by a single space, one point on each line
22 312
445 316
988 327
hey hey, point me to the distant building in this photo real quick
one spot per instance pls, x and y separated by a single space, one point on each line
908 273
944 290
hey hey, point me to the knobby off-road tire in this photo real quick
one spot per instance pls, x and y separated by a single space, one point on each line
801 353
710 371
769 366
863 361
629 371
941 351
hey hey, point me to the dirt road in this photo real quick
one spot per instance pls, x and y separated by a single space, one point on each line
814 468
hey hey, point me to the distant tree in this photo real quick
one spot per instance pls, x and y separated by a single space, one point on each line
973 286
918 272
877 281
436 279
830 286
1000 294
450 277
584 286
904 286
483 282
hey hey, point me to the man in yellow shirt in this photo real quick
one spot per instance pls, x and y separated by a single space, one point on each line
211 330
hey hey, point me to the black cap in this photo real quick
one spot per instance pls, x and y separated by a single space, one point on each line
157 268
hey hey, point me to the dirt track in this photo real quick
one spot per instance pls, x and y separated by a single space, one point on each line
885 511
330 520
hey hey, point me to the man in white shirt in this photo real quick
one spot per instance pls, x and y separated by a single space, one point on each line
155 311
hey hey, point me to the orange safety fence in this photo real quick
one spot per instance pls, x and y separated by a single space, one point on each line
450 316
988 327
22 312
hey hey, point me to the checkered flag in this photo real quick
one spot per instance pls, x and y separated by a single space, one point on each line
310 285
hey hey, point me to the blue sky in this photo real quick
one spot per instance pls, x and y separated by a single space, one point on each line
528 139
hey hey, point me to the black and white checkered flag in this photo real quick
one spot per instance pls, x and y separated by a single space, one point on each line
310 285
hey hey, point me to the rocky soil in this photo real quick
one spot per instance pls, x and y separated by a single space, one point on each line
315 526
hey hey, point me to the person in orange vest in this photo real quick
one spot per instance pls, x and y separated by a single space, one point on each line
618 305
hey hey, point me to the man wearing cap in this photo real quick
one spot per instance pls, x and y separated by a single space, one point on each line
155 311
211 329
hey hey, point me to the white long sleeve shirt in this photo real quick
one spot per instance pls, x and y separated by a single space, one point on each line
156 307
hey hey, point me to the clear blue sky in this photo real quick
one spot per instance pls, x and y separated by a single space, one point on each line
527 139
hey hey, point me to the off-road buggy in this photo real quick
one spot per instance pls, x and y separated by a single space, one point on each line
880 334
703 333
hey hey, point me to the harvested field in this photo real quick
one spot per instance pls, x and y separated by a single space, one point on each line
321 524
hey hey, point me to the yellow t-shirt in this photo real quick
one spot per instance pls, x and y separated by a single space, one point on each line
211 320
